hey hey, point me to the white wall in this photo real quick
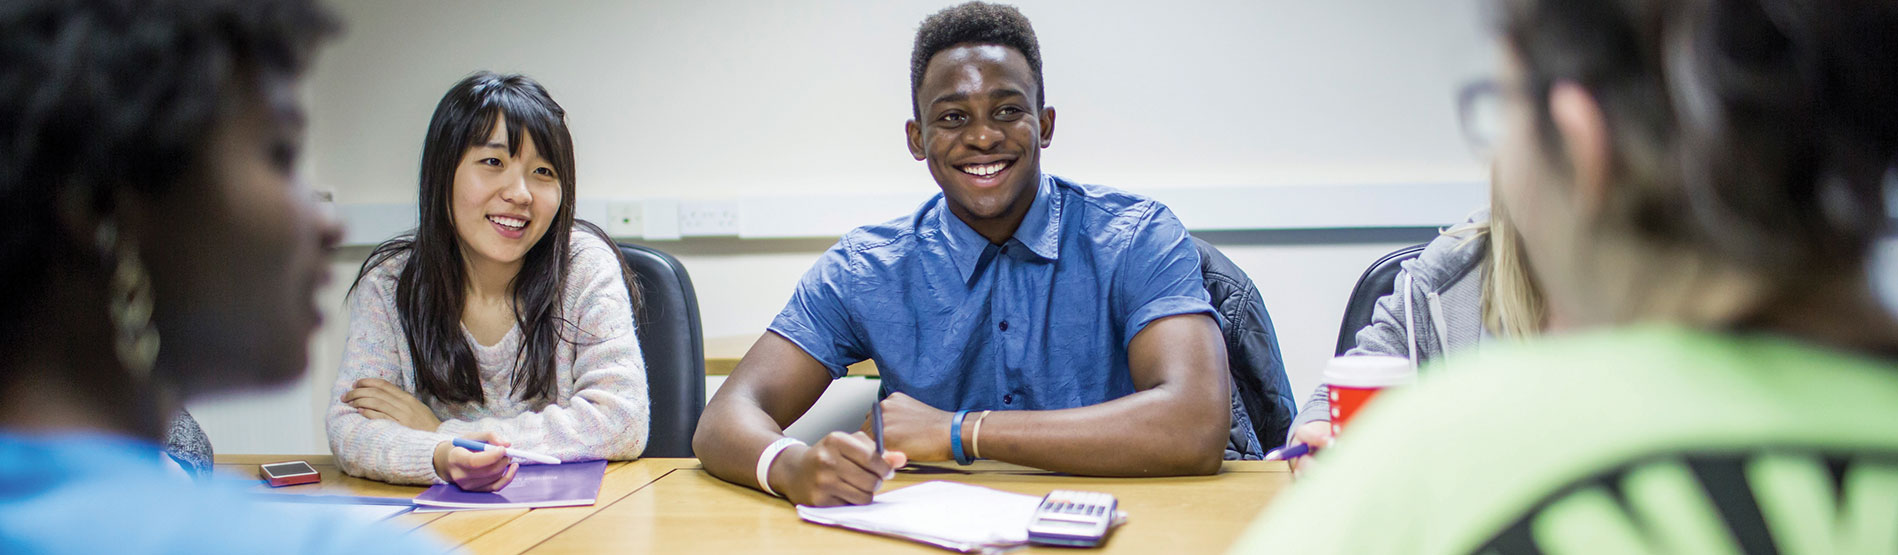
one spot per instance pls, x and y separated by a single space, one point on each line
724 99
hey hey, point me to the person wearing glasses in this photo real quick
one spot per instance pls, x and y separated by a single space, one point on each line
1469 286
1702 184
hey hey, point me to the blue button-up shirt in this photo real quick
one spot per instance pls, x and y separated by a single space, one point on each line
1039 322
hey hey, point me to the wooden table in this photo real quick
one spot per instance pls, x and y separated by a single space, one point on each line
722 354
674 506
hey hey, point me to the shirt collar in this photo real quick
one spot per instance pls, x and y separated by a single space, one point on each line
1040 231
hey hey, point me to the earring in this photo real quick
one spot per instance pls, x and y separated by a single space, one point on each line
129 299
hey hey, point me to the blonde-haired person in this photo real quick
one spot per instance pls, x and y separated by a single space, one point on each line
1702 183
1469 285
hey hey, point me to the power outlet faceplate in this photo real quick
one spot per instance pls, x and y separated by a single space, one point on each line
708 218
625 219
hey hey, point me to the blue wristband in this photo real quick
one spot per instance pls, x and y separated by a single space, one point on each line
955 438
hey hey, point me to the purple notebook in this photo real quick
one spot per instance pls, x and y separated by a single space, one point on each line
534 485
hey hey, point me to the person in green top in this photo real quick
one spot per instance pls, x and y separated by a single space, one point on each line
1701 183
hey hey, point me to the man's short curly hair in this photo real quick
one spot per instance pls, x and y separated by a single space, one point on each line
973 22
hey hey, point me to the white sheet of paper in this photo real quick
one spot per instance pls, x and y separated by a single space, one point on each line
946 514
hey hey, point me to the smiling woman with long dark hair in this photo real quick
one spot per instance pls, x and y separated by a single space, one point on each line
494 320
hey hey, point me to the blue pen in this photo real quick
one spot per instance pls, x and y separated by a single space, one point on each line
473 445
876 429
1284 453
876 424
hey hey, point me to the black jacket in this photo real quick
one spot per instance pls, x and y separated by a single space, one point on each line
1262 406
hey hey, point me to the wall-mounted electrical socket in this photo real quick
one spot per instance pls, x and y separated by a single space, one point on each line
708 218
625 219
662 218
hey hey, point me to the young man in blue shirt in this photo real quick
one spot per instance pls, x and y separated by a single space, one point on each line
1017 316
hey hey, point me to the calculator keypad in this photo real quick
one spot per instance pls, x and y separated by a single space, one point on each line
1076 506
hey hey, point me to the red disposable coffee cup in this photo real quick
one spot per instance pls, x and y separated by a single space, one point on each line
1354 380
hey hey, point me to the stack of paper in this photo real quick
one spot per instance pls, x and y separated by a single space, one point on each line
944 514
534 485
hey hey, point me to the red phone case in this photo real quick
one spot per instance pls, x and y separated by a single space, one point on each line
291 480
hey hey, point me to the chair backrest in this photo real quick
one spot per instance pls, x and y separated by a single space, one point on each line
668 324
1378 280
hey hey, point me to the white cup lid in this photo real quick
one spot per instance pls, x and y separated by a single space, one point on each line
1369 371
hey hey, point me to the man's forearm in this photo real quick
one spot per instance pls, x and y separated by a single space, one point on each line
772 386
729 439
1156 432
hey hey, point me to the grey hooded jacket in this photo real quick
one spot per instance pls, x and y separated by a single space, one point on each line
1436 309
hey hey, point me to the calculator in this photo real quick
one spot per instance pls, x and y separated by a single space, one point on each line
1072 519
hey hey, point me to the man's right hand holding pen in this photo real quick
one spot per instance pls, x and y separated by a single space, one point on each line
842 469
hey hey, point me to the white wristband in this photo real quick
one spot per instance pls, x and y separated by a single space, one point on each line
771 454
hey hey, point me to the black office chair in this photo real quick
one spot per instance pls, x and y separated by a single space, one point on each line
1378 280
669 334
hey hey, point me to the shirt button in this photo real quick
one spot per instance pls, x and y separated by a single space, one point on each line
1008 399
1004 325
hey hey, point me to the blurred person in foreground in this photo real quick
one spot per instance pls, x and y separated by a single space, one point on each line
1701 183
161 247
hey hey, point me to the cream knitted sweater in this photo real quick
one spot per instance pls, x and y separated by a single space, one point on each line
600 409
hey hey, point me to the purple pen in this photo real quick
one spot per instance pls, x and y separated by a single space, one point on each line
1295 451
